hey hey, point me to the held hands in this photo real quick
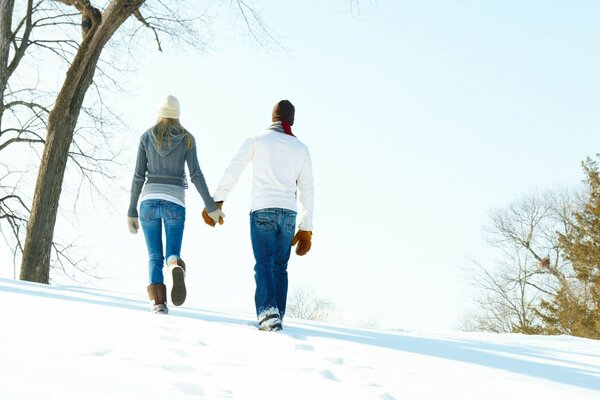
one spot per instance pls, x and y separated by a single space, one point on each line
303 238
217 215
133 224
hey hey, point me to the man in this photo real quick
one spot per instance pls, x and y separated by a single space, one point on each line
281 169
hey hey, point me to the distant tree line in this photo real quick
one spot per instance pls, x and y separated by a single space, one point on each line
547 277
305 303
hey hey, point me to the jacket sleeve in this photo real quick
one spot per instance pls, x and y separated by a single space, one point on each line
197 178
306 195
137 183
234 170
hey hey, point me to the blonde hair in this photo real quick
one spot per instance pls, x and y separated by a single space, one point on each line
163 128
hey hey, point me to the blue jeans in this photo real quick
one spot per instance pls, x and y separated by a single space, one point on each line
153 213
271 231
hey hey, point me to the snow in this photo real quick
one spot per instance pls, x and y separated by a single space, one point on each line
69 342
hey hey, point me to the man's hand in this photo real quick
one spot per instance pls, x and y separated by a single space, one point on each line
303 238
217 215
133 224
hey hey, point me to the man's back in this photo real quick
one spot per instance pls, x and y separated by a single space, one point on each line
278 161
281 167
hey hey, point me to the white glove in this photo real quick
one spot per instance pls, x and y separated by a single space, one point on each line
133 224
216 216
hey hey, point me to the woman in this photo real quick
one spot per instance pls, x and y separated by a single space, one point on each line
162 153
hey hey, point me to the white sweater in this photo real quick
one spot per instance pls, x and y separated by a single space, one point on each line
282 166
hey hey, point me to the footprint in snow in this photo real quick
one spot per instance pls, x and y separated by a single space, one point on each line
179 368
387 396
102 353
304 347
189 388
179 352
328 375
336 361
169 338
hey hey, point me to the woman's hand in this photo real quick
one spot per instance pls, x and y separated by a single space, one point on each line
133 224
217 215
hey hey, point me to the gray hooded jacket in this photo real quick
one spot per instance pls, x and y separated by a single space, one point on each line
166 165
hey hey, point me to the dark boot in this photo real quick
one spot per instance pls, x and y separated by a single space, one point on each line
178 292
269 320
158 298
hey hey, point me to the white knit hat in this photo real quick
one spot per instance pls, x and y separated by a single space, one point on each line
169 108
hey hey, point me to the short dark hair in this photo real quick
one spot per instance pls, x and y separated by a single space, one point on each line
284 110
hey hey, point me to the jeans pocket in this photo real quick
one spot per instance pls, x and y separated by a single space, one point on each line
175 212
264 220
147 211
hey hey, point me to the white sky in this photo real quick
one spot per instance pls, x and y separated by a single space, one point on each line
420 118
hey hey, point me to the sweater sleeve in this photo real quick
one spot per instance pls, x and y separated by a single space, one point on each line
306 195
234 170
197 177
139 176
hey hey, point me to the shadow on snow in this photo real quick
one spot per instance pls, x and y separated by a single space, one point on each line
494 355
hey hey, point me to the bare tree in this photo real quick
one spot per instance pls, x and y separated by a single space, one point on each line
32 35
35 35
97 28
530 267
303 303
11 53
24 107
506 302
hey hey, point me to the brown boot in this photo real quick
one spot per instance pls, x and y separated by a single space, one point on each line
178 292
158 298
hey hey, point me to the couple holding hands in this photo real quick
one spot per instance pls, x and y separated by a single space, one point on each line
282 175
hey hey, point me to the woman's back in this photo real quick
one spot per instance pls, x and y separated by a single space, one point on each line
166 158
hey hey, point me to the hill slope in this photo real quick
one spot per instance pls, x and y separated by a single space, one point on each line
66 342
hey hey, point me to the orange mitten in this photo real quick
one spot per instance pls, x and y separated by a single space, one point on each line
303 238
210 221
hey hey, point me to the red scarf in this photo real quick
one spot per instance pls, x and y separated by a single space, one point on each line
287 128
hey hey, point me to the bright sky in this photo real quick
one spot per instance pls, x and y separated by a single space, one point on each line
420 118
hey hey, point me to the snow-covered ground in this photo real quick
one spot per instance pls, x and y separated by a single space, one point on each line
67 342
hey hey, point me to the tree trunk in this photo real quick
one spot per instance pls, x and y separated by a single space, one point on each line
6 12
35 265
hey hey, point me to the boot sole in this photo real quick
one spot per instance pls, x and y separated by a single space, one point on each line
178 292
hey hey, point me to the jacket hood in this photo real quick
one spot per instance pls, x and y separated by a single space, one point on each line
169 143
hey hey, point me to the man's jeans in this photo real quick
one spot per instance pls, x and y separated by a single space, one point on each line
152 214
271 231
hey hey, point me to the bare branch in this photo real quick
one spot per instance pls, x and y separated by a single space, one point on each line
20 50
5 198
27 104
18 140
252 19
140 18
